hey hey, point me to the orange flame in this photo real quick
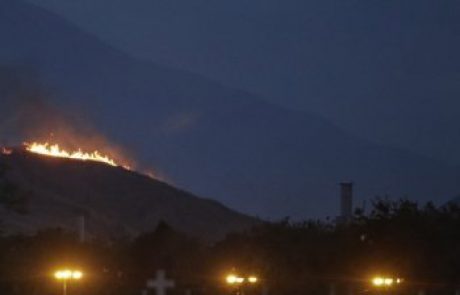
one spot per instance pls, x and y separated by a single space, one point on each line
55 151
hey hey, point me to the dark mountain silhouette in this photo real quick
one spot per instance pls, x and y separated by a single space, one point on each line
115 202
386 70
209 139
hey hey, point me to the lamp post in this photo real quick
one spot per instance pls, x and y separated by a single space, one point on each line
239 282
67 275
385 283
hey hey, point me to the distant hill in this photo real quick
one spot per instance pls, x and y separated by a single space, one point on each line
213 140
115 202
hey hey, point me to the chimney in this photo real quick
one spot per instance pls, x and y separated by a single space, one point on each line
346 201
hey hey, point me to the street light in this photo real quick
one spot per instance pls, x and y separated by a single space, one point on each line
385 282
67 275
239 282
233 279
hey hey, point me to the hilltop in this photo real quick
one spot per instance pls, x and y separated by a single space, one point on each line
114 201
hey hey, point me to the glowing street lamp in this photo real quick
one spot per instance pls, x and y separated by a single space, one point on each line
239 282
385 282
67 275
233 279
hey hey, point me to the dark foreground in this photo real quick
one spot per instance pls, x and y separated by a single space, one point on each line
395 239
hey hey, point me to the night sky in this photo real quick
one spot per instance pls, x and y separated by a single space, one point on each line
263 105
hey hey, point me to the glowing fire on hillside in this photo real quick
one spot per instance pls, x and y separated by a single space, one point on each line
54 150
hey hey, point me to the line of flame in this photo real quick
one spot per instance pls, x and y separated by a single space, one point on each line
53 150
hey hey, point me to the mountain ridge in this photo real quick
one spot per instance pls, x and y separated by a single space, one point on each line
382 70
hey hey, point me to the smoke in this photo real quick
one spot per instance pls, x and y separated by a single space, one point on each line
28 113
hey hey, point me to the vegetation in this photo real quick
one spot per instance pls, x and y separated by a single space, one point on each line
400 238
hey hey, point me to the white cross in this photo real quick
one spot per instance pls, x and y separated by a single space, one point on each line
160 283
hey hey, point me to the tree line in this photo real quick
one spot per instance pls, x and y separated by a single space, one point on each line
399 238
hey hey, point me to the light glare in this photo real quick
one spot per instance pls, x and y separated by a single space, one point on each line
231 279
388 281
385 281
378 281
68 274
77 275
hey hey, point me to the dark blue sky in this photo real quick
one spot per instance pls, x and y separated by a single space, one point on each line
383 70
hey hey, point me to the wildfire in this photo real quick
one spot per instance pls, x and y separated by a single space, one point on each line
53 150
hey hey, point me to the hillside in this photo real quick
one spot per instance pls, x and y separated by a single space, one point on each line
215 141
114 201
